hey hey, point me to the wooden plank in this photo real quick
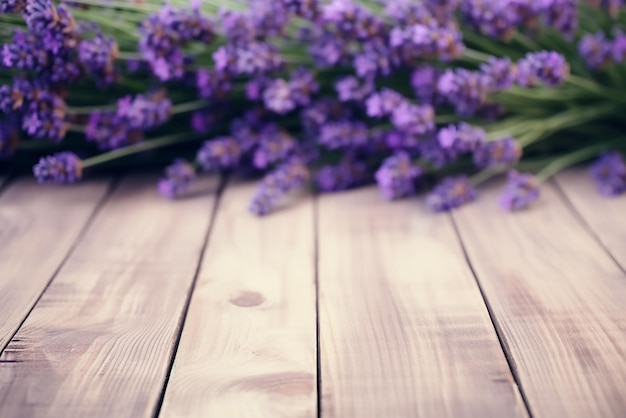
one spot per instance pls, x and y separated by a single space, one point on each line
404 331
99 342
38 226
249 344
604 215
558 300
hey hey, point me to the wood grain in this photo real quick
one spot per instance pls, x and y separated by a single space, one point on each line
558 299
248 348
604 215
404 331
38 225
99 342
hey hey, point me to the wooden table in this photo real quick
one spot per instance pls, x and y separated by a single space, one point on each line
117 303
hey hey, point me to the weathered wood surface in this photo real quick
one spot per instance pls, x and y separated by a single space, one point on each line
249 344
605 216
558 300
100 340
38 226
404 331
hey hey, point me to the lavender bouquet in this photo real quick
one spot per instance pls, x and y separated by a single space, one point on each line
332 95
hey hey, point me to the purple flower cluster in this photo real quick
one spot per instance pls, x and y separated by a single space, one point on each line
164 34
424 81
460 139
60 168
54 24
598 51
98 56
351 21
609 173
351 88
9 136
501 72
548 67
291 174
413 119
283 96
434 41
451 193
343 176
396 176
178 177
383 103
502 152
343 134
466 90
219 154
126 124
12 6
521 190
249 59
274 145
213 85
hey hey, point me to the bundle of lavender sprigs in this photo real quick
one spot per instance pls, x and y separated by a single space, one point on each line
330 94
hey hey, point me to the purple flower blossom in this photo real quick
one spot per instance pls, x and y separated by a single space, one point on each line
376 58
609 173
237 26
250 59
328 50
396 176
413 119
275 145
288 176
400 140
343 134
255 88
415 42
60 168
307 9
212 85
45 118
145 111
383 103
98 55
24 53
466 90
277 97
548 67
219 154
595 49
55 25
618 46
202 121
521 190
351 20
303 85
502 152
451 193
493 18
322 112
178 176
111 131
344 176
12 6
461 138
561 15
501 72
350 88
247 130
424 82
408 12
9 136
431 150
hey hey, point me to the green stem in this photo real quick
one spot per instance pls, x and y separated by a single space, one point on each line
130 56
189 106
474 55
485 175
140 147
595 88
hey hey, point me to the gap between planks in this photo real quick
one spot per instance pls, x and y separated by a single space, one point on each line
558 301
404 331
99 341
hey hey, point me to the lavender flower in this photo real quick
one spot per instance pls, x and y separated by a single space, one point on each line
277 97
328 50
466 90
12 6
609 173
212 85
307 9
322 112
145 111
424 82
351 20
288 176
178 176
303 85
383 103
431 150
98 55
493 18
219 154
237 26
417 41
55 25
274 145
562 15
502 152
413 119
350 88
618 46
396 176
24 53
251 59
501 72
376 58
408 12
461 138
45 118
548 67
344 176
60 168
595 49
343 134
111 131
451 193
202 121
255 88
9 136
522 189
